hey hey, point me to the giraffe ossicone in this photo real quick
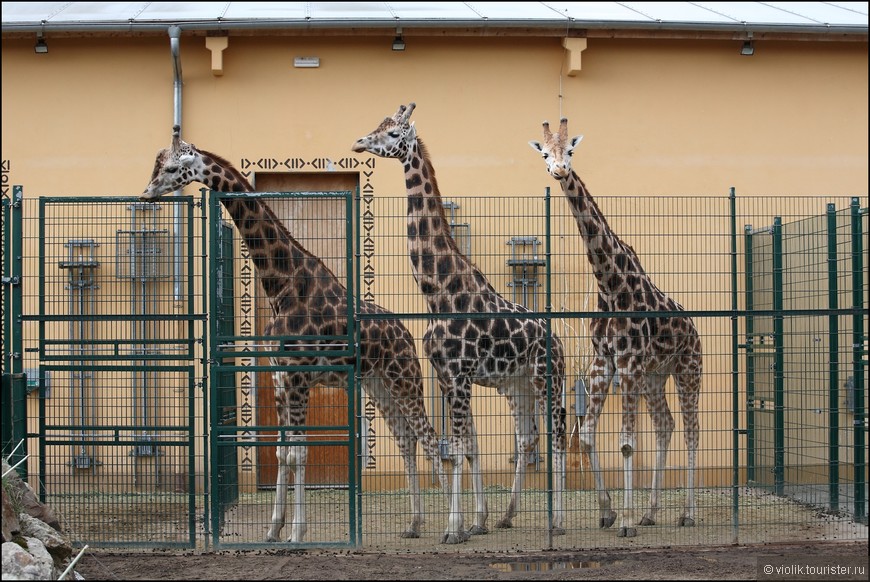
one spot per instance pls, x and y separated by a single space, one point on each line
640 353
508 352
307 299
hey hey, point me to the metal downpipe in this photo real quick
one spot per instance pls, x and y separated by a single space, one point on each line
174 42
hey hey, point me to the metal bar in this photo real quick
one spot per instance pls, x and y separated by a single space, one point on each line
355 469
833 366
778 363
750 356
205 295
214 360
550 387
858 360
735 378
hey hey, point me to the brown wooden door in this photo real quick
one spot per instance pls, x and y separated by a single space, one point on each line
319 226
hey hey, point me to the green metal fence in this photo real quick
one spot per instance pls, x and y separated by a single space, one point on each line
142 381
806 422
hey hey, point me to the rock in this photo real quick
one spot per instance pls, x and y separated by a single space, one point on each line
28 499
34 547
11 527
57 545
29 564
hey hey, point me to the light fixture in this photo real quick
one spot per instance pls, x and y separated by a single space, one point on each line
398 42
41 47
748 49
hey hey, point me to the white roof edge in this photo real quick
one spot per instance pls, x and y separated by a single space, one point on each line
797 17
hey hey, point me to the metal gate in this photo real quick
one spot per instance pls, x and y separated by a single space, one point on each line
805 392
115 323
240 354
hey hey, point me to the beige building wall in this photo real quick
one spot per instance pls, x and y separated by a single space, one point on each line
661 118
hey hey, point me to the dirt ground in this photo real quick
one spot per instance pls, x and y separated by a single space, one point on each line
720 563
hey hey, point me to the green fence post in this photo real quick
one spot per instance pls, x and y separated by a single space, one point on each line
858 355
778 363
550 387
735 377
212 498
750 356
833 366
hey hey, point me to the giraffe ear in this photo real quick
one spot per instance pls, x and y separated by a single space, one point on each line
572 143
412 132
536 146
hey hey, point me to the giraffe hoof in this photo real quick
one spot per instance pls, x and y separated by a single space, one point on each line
455 538
647 521
626 532
686 522
559 531
409 534
478 530
606 522
505 523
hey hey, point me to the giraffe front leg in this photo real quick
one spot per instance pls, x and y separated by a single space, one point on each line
280 506
628 444
456 533
464 435
298 457
481 509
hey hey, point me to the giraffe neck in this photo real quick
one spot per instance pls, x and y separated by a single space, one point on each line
443 273
289 273
614 263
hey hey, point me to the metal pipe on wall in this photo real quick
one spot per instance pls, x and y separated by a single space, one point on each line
174 45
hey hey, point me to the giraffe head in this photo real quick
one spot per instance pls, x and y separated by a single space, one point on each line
175 167
392 138
557 149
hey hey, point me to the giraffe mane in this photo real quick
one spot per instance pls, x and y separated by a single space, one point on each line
279 224
226 164
424 153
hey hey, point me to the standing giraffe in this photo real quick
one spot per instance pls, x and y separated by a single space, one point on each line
506 353
308 299
636 353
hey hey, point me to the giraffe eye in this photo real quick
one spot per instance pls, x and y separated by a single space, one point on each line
393 134
172 169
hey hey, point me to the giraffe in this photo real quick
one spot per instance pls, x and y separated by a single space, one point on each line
308 299
508 353
636 353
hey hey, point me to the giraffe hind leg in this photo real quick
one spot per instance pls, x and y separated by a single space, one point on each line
688 386
663 423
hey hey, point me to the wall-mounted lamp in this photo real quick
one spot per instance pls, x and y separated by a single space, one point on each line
748 49
398 42
41 47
